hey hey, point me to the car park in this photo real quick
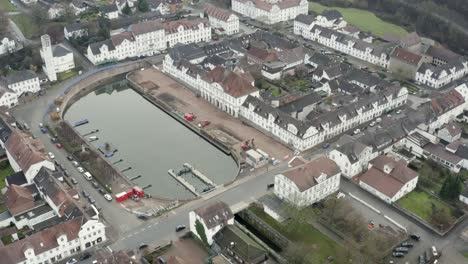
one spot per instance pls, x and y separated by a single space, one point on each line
80 169
73 180
107 197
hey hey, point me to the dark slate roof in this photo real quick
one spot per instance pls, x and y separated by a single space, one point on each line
332 14
465 191
244 246
5 131
305 19
462 151
95 47
109 8
74 27
320 59
301 103
19 76
16 178
47 185
59 51
186 52
350 147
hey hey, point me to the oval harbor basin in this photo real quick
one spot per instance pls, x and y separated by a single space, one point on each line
149 141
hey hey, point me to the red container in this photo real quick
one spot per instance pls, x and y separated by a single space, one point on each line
120 197
189 117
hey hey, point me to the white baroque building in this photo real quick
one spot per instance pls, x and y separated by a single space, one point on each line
149 38
308 183
441 75
55 243
270 11
222 19
56 58
7 45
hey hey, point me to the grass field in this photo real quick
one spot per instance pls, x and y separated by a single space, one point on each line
67 75
365 20
321 245
420 203
26 25
3 174
6 6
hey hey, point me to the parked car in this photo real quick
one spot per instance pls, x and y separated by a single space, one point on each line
180 228
71 261
142 217
434 251
161 260
51 155
422 259
373 123
73 180
95 184
58 145
70 158
407 244
44 130
398 255
85 193
326 145
357 131
102 191
56 163
80 169
91 200
75 163
401 249
41 125
54 140
66 173
107 197
85 256
142 246
415 237
270 185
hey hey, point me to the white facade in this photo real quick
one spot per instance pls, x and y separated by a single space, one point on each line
435 77
270 12
90 234
8 99
7 46
287 189
48 58
220 18
75 33
311 136
407 188
148 43
31 85
55 11
350 168
213 219
56 58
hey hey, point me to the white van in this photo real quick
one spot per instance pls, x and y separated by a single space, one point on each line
88 176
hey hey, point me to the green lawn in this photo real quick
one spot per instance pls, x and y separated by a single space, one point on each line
6 6
26 25
365 20
7 240
465 255
3 174
322 245
66 75
420 203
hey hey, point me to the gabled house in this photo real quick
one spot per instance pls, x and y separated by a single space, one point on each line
109 11
308 183
449 132
26 156
351 156
388 179
213 217
74 30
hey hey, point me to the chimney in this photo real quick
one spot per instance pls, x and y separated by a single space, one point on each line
387 169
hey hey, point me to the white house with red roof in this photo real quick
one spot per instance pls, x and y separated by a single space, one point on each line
270 11
223 20
26 155
55 243
308 183
388 179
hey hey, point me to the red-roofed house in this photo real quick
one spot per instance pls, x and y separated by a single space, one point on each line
449 132
404 62
26 156
223 19
308 183
55 243
388 179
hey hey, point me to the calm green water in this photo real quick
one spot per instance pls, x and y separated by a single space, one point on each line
148 140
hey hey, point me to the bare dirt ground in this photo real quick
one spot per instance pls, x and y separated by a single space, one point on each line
227 127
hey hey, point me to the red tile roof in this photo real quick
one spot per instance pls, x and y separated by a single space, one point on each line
219 13
387 175
444 102
40 242
19 199
262 54
453 129
172 26
23 152
304 176
406 56
235 83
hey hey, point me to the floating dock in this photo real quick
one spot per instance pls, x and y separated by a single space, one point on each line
81 122
200 175
183 182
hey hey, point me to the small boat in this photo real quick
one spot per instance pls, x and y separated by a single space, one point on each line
81 122
93 138
109 154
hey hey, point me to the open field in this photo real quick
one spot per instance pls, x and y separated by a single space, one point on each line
365 20
320 245
26 25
